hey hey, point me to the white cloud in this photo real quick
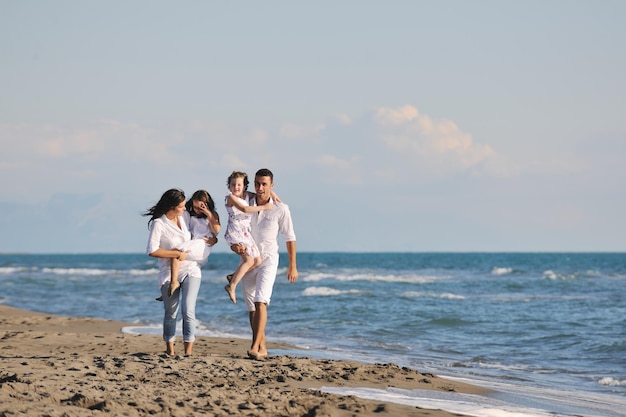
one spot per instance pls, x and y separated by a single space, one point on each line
344 119
394 117
343 171
438 144
257 136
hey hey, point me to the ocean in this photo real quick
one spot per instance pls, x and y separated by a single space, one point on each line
547 331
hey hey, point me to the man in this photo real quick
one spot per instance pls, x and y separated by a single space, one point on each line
257 284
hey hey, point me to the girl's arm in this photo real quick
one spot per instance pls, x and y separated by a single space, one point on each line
214 222
273 194
233 201
212 218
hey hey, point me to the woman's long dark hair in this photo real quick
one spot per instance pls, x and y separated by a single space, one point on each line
169 200
204 196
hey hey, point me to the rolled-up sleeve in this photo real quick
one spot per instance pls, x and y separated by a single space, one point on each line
286 225
154 239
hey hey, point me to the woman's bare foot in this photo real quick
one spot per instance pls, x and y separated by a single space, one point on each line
231 293
174 285
229 277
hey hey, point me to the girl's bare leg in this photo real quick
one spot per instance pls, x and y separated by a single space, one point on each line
246 265
174 268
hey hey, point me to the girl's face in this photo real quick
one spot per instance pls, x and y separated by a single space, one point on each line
198 206
236 186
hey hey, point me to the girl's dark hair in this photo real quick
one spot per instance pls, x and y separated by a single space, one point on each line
169 200
204 196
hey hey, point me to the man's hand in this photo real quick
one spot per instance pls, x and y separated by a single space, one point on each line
292 274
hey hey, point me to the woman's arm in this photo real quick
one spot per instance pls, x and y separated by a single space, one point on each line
169 253
233 201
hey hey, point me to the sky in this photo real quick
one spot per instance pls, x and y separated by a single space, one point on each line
405 126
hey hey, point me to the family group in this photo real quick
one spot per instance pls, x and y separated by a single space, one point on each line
182 233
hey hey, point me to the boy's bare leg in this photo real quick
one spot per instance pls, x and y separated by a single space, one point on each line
258 321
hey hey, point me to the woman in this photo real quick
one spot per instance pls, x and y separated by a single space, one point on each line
168 231
203 223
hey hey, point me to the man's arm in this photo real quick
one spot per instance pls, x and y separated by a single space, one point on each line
292 272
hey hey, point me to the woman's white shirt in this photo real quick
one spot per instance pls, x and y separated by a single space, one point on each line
165 234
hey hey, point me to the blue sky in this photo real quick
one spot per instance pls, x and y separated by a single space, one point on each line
389 126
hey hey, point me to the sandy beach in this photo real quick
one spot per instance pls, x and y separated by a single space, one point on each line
60 366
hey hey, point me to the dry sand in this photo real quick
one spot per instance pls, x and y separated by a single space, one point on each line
59 366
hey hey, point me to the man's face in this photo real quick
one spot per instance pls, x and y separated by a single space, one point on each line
263 187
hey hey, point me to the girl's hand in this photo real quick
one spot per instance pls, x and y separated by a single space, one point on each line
210 240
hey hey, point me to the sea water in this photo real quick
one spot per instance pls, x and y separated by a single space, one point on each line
546 331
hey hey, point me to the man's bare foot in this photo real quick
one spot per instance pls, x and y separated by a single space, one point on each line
174 285
231 293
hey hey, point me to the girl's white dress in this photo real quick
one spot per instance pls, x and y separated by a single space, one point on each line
198 249
238 229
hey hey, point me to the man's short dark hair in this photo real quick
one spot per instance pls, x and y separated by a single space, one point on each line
264 172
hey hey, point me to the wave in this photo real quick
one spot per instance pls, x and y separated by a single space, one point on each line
15 269
417 294
550 274
466 404
79 271
361 276
326 291
612 382
501 271
201 330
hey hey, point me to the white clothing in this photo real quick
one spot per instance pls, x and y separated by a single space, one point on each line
238 229
199 228
267 224
258 284
197 251
166 234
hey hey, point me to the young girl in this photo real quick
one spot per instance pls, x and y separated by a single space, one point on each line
204 224
238 230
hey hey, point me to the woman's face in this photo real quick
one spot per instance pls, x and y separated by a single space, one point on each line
179 209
